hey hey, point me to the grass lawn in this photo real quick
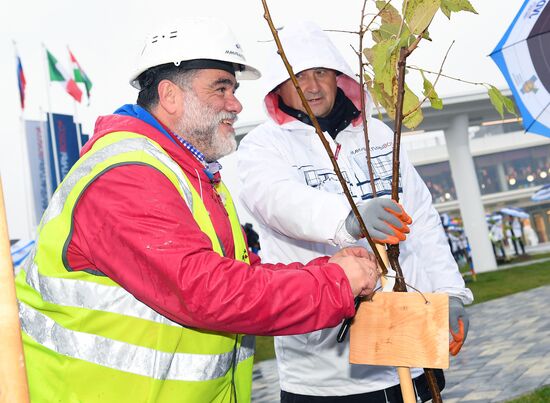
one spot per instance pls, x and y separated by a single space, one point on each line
488 286
500 283
539 396
264 348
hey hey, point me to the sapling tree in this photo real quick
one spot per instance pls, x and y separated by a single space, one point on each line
383 73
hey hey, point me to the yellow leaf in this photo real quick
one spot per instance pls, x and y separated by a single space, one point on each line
389 15
448 6
369 54
429 92
386 31
419 14
410 103
384 64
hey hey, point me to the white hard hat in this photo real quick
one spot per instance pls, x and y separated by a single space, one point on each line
192 39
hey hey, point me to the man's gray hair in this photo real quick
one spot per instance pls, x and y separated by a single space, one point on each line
149 80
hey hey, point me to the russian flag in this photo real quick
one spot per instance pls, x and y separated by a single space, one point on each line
21 81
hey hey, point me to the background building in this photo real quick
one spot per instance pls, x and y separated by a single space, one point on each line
510 165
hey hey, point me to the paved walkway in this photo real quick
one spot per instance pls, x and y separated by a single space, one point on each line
507 353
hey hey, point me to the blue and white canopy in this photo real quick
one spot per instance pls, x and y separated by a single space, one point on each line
523 56
543 194
514 212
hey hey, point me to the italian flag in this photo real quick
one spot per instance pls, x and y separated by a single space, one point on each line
58 73
79 75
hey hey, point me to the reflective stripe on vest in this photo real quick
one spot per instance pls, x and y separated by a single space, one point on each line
123 356
83 294
81 290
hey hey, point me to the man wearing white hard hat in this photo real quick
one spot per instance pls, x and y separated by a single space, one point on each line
289 185
141 287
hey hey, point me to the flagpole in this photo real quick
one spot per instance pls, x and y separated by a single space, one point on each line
75 117
47 162
78 133
24 150
52 131
76 120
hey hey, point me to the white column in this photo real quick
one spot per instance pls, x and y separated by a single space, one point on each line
469 196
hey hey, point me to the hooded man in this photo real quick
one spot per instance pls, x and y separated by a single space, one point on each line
289 186
140 287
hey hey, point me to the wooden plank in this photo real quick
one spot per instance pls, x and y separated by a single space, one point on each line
13 377
402 330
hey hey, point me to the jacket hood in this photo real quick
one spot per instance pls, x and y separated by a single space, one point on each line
129 117
306 46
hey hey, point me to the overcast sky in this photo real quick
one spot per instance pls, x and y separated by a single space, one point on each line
106 36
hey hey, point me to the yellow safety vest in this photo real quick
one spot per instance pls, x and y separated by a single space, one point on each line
87 339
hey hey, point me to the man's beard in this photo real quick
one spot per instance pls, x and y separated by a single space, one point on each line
200 125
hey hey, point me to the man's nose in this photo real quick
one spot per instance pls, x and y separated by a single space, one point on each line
310 84
232 104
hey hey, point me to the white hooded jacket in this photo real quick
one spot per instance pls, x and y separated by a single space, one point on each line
289 186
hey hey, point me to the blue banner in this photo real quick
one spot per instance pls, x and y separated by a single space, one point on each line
37 145
66 144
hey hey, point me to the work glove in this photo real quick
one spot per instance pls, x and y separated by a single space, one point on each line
386 221
458 324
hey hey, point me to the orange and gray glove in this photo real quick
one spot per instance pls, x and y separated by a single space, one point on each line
458 324
386 221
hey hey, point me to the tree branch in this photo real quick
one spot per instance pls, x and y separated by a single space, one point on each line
341 31
447 76
362 96
434 84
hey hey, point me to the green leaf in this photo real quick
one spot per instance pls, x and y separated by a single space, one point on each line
445 10
376 92
386 31
426 35
509 105
419 13
500 102
389 15
367 79
429 92
406 38
496 100
448 6
373 91
410 102
384 64
381 98
390 32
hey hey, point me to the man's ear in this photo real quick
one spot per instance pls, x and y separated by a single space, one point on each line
170 97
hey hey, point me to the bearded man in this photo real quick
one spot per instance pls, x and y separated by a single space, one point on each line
140 288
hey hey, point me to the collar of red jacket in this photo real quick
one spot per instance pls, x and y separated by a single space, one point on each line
114 123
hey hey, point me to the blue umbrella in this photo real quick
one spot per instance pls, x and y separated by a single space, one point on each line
19 251
542 194
514 212
523 56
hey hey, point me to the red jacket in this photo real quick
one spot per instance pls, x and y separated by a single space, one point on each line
132 225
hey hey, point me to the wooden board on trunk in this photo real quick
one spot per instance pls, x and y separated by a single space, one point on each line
400 329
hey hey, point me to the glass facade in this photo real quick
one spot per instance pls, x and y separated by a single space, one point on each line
439 181
509 170
527 167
